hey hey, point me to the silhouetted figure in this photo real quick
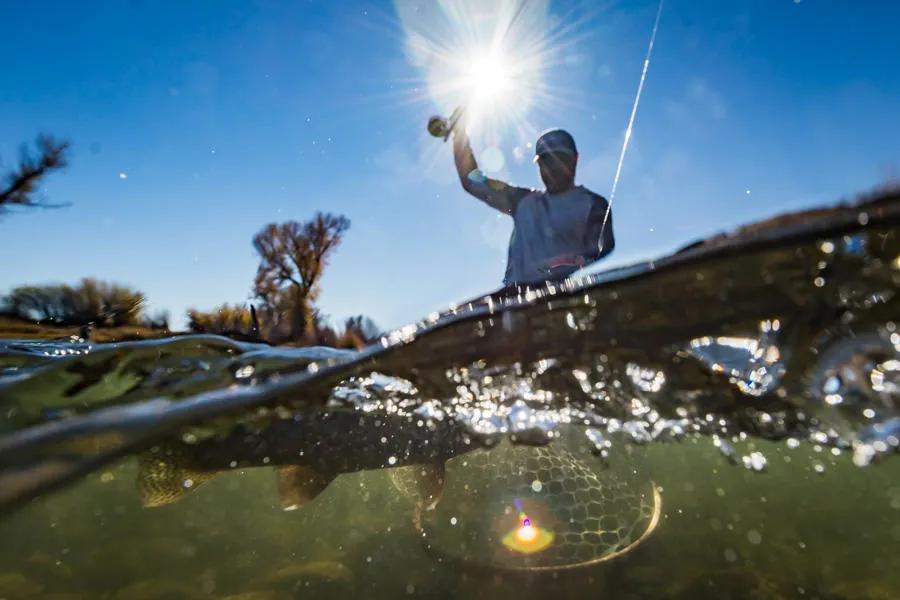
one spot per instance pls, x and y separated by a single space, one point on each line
556 231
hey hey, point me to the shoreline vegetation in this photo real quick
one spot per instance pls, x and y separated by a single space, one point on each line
16 328
12 327
292 258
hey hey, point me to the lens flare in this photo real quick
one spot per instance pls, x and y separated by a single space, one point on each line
527 538
526 533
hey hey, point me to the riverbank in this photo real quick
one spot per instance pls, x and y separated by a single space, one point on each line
13 328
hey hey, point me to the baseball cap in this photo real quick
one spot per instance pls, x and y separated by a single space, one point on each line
555 141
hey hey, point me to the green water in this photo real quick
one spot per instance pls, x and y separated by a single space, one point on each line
725 532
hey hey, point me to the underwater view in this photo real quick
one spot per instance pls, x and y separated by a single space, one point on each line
700 402
737 444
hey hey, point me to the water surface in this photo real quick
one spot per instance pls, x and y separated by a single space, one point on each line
720 423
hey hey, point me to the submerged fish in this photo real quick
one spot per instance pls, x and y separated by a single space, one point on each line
309 451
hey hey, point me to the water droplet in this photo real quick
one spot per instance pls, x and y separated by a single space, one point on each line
755 461
730 555
244 372
598 442
453 520
536 486
754 537
725 448
392 460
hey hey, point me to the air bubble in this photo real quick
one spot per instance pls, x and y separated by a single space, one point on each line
755 461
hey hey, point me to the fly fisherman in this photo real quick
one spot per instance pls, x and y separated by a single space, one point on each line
557 230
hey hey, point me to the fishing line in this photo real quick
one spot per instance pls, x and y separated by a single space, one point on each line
630 128
512 21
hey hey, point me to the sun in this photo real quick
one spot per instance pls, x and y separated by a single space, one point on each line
489 78
488 58
493 85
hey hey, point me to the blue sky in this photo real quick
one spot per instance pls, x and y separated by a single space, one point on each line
225 116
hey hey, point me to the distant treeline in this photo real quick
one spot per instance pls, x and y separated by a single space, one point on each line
106 305
244 322
90 302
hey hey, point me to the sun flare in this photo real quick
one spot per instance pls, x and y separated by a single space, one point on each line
490 59
489 78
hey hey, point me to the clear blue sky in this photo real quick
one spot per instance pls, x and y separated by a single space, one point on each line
225 116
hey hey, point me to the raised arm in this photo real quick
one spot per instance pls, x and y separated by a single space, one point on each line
463 155
493 192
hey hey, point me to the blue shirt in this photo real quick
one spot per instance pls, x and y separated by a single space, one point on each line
553 235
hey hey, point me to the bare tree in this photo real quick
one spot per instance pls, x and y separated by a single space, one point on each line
293 256
22 183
